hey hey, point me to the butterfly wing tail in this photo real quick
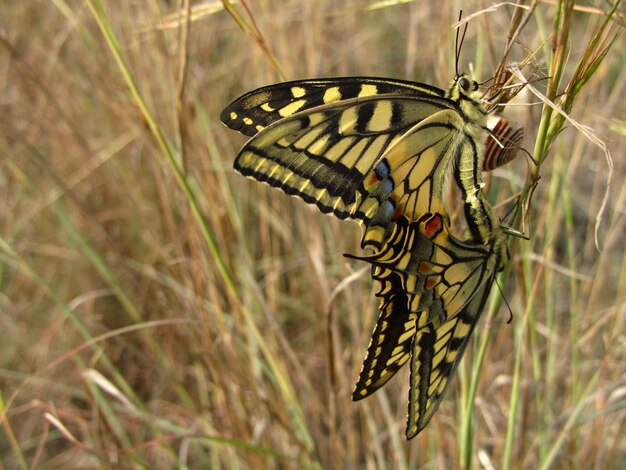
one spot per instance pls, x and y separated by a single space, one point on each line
437 352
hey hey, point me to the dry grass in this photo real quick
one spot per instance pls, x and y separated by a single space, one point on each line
158 310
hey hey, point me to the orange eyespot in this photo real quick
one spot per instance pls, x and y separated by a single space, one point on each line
424 267
433 226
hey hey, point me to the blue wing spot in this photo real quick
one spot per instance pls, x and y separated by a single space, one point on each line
382 170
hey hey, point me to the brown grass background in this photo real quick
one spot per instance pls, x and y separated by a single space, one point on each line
155 319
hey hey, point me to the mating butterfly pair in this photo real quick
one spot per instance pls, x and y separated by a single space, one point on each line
385 153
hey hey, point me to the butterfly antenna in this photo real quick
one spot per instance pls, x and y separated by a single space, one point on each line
459 43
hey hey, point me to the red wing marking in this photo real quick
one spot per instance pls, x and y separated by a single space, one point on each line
433 226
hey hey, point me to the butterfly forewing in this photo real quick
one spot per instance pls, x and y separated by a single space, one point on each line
259 108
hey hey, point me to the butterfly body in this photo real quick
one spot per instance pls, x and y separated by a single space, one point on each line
384 153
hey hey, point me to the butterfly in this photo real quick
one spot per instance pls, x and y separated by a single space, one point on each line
384 153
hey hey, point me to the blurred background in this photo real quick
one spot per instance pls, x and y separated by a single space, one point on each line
158 310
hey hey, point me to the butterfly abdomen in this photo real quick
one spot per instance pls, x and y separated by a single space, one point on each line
503 142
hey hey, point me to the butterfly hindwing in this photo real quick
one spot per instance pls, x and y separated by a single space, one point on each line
392 339
325 154
418 165
433 289
436 354
437 271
